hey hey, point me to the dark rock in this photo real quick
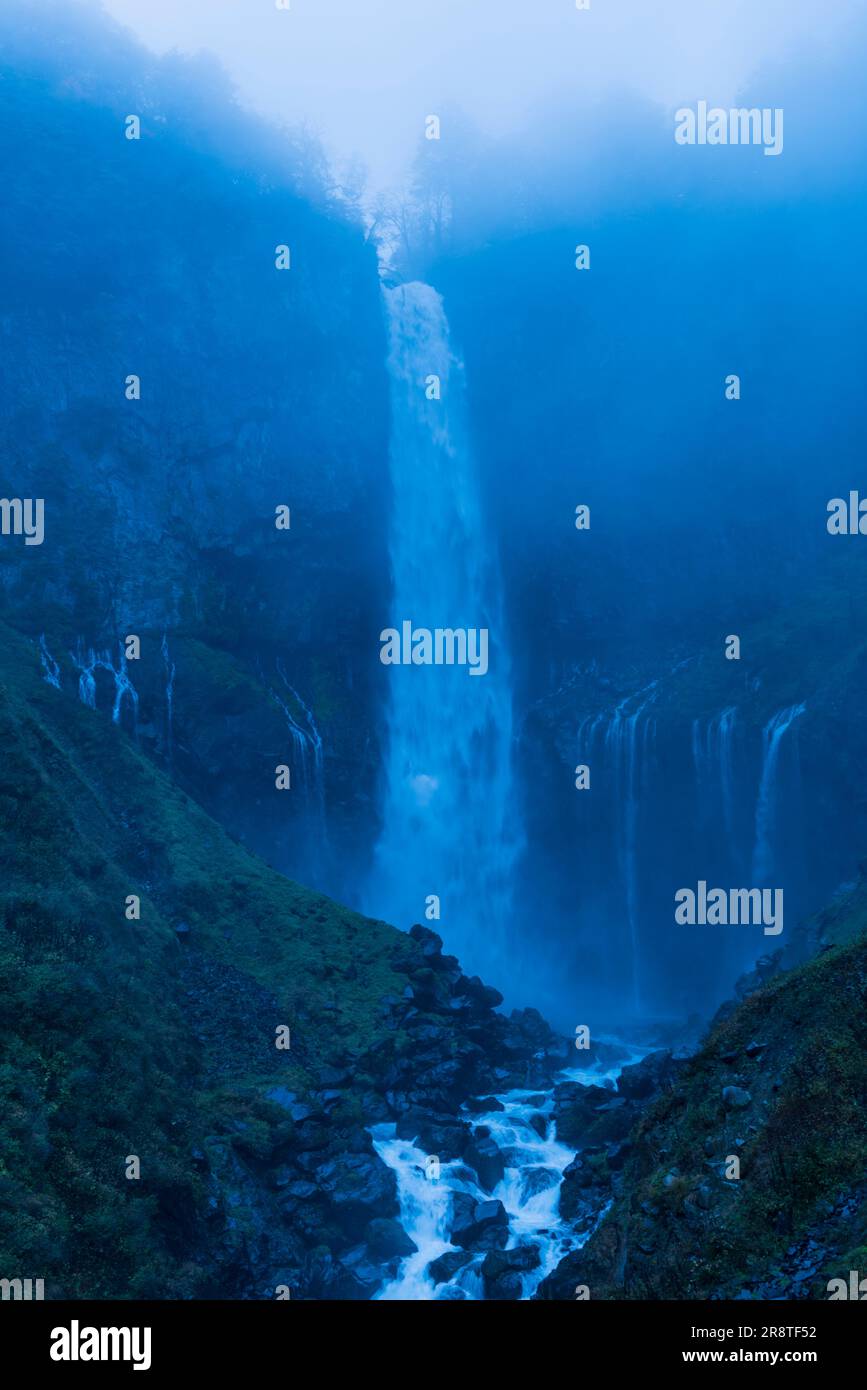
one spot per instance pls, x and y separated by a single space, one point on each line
431 944
502 1271
485 1227
646 1078
388 1240
485 1158
446 1266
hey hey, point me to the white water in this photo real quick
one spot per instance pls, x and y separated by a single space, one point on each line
307 751
534 1215
769 798
50 668
627 745
449 823
88 663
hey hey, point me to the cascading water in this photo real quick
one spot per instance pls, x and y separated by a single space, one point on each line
529 1192
88 662
449 824
50 668
767 805
627 746
307 752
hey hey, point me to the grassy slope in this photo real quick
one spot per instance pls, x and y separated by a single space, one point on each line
802 1141
119 1040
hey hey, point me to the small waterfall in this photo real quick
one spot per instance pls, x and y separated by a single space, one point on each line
307 752
768 803
449 825
169 667
627 744
88 663
50 668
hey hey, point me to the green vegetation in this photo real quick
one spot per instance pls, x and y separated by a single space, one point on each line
124 1037
798 1047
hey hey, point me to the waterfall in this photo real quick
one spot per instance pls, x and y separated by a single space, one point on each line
50 668
534 1162
307 752
627 748
767 805
448 821
88 663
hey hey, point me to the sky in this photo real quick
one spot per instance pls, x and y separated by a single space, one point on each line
366 73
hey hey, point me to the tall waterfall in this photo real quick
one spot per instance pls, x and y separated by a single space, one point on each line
627 747
449 822
768 803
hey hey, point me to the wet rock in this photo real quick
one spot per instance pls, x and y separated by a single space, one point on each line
446 1266
438 1134
646 1078
484 1157
483 1105
484 1227
502 1271
386 1239
535 1180
358 1187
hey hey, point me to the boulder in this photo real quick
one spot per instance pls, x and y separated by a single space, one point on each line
484 1227
484 1157
386 1239
446 1266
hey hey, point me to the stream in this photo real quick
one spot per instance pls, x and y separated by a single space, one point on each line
529 1190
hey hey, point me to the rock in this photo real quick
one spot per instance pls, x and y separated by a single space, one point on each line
735 1098
502 1271
535 1180
485 1158
484 1105
645 1078
482 996
431 944
359 1187
485 1227
755 1049
446 1266
387 1239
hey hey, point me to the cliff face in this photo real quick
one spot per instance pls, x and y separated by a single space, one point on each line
259 388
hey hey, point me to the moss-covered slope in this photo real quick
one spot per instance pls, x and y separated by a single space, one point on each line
123 1037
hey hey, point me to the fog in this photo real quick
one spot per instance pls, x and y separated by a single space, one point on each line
364 76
